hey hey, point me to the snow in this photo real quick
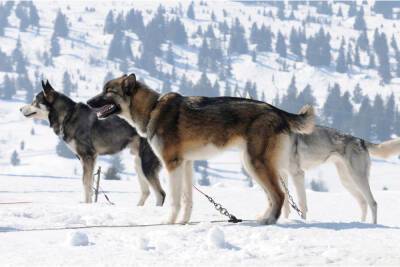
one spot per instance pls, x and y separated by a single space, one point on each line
78 238
52 186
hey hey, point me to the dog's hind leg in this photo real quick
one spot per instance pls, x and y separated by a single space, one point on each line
187 196
298 181
87 179
144 186
263 168
158 191
346 180
359 172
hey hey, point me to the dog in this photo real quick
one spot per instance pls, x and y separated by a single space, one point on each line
88 137
351 156
183 129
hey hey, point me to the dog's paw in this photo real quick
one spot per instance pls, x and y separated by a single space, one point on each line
269 220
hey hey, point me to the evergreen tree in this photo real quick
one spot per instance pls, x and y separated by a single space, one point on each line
281 45
67 84
281 10
63 150
349 57
34 15
15 160
115 168
61 25
6 64
254 33
357 60
109 25
383 57
390 114
190 12
352 9
203 87
177 32
371 63
289 101
359 23
203 56
237 42
54 46
341 64
227 90
380 129
357 94
9 89
216 88
264 39
127 51
116 49
362 41
295 45
134 22
362 120
306 97
331 104
340 12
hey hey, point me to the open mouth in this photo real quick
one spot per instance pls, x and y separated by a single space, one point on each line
30 114
107 110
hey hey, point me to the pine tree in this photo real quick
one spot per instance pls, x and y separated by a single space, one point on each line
116 49
67 84
34 15
54 46
281 10
380 129
362 120
349 57
359 23
357 60
289 101
306 97
362 41
203 56
341 64
281 45
127 51
390 114
352 9
134 22
295 45
383 57
331 104
9 89
227 90
63 150
371 64
115 168
203 87
15 160
109 25
238 42
61 25
357 94
6 64
190 12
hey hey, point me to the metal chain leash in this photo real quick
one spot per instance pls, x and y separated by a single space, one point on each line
220 208
290 199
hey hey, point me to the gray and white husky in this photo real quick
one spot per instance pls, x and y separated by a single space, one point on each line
87 136
351 156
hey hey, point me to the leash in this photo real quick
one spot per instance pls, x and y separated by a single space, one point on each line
290 198
11 230
220 208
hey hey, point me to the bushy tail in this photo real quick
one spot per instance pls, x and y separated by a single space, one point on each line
385 149
303 122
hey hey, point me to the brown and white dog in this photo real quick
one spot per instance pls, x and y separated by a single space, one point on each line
183 129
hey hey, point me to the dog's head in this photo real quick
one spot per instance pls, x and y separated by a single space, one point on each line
115 96
40 106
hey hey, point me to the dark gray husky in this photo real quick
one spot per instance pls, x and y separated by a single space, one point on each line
351 156
87 136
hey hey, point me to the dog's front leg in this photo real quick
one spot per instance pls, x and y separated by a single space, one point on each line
175 185
87 179
187 197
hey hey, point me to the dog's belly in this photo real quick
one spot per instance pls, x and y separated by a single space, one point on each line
208 151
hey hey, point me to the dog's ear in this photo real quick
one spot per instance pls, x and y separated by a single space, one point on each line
48 91
128 84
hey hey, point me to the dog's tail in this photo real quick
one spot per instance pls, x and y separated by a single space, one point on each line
385 149
303 122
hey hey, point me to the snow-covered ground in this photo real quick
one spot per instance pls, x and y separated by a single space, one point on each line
331 235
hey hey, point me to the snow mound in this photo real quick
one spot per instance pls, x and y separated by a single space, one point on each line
216 238
142 243
78 239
